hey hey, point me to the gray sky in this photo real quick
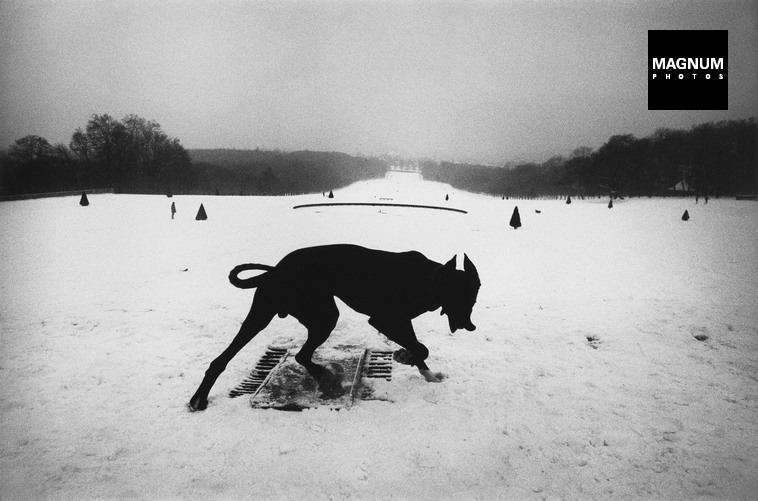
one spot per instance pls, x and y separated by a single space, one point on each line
478 81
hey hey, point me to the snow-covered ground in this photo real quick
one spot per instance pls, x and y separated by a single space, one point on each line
583 380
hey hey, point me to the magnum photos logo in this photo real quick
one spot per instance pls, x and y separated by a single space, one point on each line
687 70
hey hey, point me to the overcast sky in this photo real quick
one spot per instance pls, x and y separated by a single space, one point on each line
478 81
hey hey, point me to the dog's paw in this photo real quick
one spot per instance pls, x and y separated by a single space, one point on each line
432 377
197 404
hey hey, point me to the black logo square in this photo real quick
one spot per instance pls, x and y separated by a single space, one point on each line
687 70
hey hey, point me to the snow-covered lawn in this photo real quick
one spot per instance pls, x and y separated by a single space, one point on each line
584 379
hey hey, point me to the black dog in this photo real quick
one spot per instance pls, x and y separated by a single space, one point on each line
391 288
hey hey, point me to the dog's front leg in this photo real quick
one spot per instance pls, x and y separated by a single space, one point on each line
412 352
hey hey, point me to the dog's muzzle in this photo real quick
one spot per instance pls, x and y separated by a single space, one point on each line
457 322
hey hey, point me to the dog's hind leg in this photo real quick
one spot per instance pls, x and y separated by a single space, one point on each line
259 317
320 318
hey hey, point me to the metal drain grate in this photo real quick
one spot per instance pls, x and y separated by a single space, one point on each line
378 365
256 379
275 384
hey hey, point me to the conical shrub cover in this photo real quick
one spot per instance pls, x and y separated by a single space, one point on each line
515 219
201 215
84 201
610 204
686 216
331 194
568 199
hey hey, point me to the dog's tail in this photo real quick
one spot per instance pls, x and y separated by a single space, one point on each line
248 283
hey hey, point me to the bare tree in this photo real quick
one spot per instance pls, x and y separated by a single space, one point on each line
29 148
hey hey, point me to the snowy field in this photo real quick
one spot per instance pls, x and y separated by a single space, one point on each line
585 378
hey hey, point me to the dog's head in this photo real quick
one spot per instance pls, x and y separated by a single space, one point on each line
458 291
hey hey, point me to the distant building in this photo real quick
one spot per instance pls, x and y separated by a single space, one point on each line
410 168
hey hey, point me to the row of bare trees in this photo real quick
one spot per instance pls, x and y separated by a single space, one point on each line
131 155
712 158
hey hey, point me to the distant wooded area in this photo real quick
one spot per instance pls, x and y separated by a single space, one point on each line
134 155
262 172
717 159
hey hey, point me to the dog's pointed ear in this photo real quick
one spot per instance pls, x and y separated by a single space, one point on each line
469 268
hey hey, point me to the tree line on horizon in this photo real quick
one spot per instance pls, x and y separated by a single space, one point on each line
134 155
717 159
275 172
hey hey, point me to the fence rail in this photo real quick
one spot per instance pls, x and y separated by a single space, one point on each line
376 204
31 196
